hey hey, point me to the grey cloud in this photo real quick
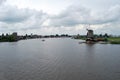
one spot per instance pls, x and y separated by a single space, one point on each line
2 1
10 14
75 15
71 16
14 19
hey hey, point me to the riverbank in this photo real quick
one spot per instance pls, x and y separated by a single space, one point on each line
110 40
114 40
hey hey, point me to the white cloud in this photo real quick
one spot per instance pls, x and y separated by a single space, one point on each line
71 20
48 6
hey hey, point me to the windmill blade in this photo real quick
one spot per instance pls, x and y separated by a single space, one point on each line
87 26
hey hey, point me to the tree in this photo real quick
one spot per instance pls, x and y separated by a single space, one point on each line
106 35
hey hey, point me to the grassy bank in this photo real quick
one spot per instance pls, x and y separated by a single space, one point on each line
111 40
114 40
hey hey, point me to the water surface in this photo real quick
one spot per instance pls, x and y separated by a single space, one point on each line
59 59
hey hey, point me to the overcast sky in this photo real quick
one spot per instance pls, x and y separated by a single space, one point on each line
59 16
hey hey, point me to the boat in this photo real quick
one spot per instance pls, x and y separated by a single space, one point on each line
43 40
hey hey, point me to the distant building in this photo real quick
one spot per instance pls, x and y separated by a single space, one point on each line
15 35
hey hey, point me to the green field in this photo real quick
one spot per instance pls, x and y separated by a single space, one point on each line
114 40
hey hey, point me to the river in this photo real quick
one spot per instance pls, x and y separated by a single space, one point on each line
59 59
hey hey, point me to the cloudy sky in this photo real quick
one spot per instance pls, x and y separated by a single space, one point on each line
59 16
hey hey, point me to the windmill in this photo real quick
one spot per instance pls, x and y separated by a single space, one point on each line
90 35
